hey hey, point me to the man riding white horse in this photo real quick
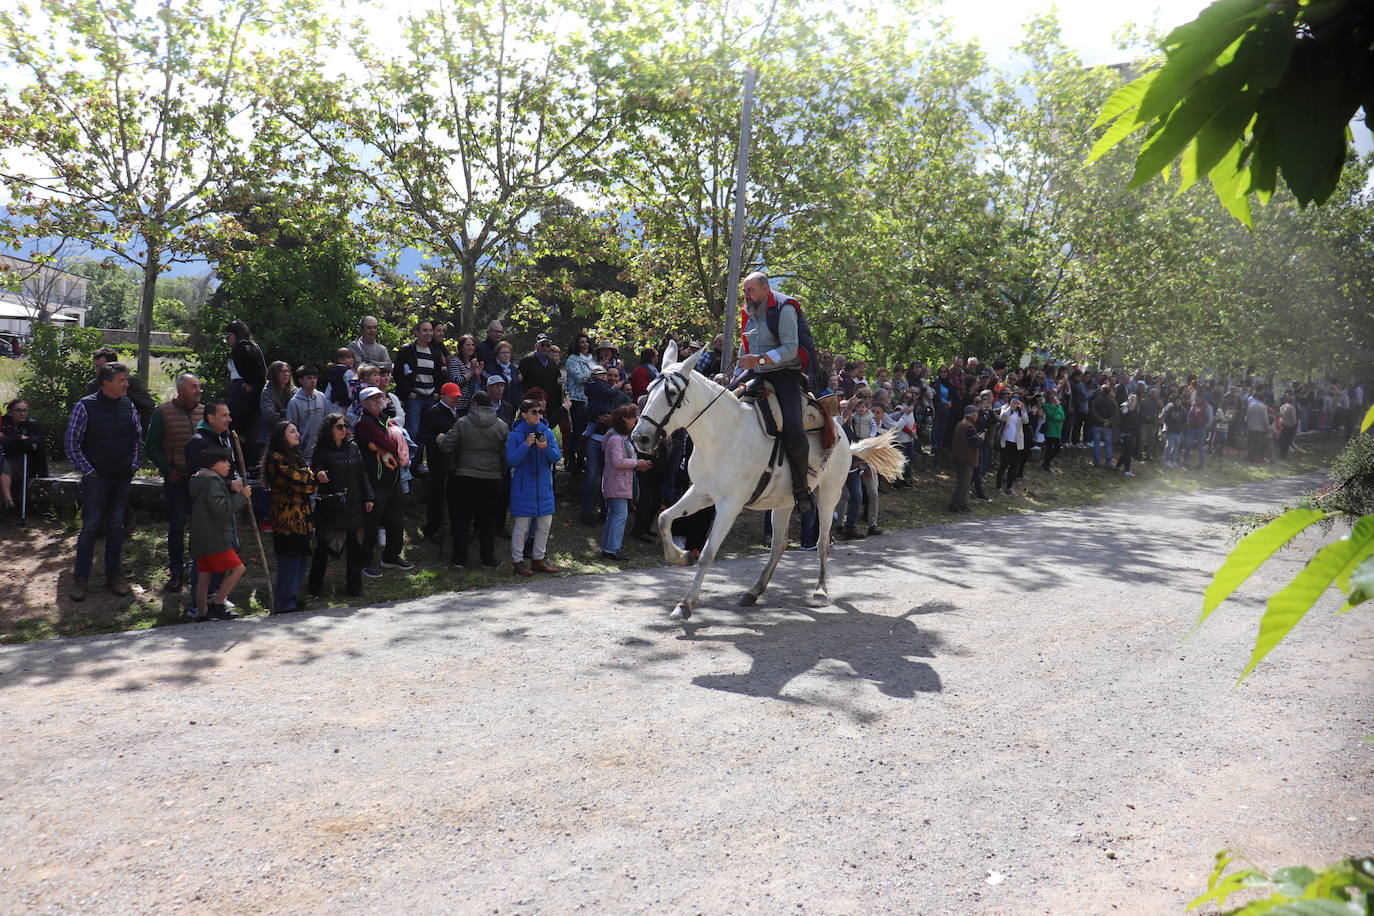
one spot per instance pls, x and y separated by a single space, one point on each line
778 348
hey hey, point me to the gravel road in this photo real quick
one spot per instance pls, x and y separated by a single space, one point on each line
997 716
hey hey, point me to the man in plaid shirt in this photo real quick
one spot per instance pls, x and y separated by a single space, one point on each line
104 442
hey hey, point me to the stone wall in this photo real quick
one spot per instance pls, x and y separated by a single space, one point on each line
119 337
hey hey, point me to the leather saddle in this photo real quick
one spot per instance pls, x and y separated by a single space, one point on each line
816 412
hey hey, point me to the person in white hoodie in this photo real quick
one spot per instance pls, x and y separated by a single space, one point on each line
1012 440
307 408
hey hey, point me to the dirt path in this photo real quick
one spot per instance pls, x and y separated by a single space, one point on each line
1012 696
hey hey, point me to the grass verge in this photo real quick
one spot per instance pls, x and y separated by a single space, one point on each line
35 605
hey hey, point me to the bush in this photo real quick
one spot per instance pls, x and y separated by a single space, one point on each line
1352 479
55 376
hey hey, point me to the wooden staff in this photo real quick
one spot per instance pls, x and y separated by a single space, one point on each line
252 521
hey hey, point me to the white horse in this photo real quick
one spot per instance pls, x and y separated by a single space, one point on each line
730 454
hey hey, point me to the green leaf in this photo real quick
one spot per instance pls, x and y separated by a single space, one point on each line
1209 98
1361 585
1125 98
1292 880
1307 908
1218 136
1204 40
1253 549
1368 420
1329 565
1236 881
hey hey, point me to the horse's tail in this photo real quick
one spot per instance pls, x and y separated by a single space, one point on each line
881 454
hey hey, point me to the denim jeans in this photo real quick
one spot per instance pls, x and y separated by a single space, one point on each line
415 409
617 510
1102 439
290 575
178 499
938 429
853 497
591 478
1172 441
1195 439
810 528
103 504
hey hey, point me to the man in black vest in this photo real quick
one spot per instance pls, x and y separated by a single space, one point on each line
104 442
778 343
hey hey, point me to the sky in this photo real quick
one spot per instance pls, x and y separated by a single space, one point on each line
1088 24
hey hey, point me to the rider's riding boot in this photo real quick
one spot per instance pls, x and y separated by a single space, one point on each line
798 457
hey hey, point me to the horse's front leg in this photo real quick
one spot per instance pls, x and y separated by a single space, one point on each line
725 520
694 500
780 518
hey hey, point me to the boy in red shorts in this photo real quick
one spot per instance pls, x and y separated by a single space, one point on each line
215 500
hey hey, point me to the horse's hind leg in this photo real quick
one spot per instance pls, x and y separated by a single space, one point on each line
827 496
725 520
780 520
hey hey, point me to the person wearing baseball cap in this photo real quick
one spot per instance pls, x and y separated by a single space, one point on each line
438 419
496 388
382 463
540 370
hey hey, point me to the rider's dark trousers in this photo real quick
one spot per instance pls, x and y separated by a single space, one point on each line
788 384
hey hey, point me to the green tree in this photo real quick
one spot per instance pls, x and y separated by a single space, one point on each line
1248 91
136 118
301 302
112 293
489 112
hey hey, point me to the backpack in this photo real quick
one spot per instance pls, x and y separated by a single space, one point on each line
806 344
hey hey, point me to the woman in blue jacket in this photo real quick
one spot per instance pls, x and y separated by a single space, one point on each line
531 453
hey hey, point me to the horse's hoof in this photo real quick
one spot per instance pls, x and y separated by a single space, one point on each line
676 559
748 599
818 599
680 613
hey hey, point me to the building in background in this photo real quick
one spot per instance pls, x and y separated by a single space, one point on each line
30 291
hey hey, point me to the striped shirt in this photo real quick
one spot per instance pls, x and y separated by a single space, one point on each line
426 368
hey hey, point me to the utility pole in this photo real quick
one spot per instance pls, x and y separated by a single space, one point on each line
727 357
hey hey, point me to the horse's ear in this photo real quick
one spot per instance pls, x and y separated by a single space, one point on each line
690 362
669 354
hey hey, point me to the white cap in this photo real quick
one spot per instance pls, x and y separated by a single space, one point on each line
371 391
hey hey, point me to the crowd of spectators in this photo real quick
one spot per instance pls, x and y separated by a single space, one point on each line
324 458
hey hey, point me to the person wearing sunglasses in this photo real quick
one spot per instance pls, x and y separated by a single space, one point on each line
531 453
342 502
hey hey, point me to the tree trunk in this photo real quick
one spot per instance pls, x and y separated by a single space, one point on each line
151 264
468 299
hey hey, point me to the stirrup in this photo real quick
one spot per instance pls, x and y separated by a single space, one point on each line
805 502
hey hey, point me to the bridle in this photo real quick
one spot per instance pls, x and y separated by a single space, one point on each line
677 395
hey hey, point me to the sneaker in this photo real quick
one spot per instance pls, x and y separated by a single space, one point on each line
220 612
807 547
616 557
194 616
372 573
456 565
491 565
1129 474
985 499
398 563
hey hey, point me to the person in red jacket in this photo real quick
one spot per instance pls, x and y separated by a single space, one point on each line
644 374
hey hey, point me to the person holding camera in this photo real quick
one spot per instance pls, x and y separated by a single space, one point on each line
531 454
1011 440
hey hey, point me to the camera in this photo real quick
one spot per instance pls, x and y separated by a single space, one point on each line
539 437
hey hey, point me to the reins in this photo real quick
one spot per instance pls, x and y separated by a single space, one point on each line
676 400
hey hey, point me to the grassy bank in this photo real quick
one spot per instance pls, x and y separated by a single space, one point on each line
34 585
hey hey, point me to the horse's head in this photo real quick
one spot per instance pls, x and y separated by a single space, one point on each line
662 413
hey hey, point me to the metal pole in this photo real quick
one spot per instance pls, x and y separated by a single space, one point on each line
727 356
24 494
